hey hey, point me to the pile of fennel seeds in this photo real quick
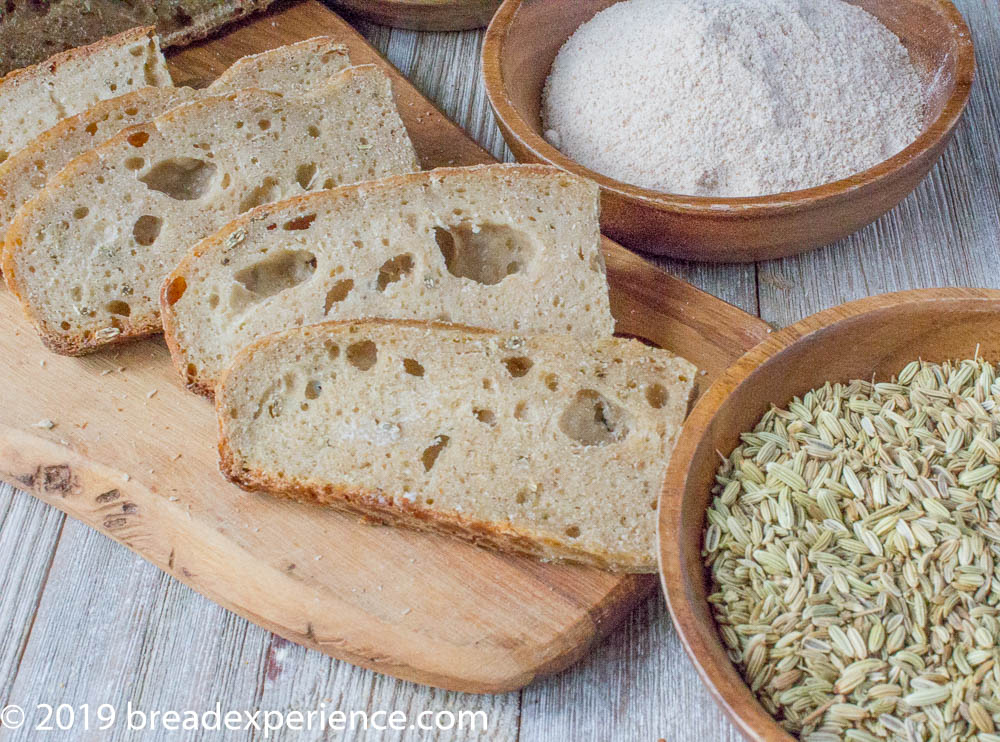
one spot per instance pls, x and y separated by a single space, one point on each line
853 543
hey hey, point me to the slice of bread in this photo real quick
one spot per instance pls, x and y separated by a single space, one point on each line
513 247
545 445
293 69
296 69
86 256
33 99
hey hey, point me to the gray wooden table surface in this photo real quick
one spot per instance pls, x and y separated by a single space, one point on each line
83 620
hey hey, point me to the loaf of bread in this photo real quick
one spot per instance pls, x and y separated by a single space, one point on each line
545 445
512 247
87 256
33 99
31 30
295 69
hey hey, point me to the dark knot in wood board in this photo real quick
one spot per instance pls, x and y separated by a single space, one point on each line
56 479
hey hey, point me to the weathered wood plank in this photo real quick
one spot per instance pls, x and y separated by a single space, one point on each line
29 532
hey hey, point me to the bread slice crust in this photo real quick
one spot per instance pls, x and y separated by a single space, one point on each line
387 504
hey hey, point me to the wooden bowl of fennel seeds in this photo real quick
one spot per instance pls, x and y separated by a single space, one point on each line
871 339
525 36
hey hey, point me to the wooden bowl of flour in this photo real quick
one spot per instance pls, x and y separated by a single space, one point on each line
525 36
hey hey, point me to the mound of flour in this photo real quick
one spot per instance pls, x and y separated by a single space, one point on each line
732 97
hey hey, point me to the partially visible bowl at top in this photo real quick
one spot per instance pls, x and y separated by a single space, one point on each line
525 36
869 338
423 15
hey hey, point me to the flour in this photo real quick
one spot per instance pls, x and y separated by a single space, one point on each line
732 97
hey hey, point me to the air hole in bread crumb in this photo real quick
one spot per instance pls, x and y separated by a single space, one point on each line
593 420
521 410
134 163
393 270
213 301
121 308
656 395
265 193
91 128
518 366
146 229
313 389
551 382
362 354
332 349
412 367
304 175
313 131
278 272
180 178
80 212
137 139
337 293
485 416
431 453
175 290
300 222
64 325
191 372
264 124
573 531
485 253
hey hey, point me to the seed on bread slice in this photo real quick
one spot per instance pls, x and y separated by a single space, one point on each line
295 69
87 255
512 247
34 98
547 445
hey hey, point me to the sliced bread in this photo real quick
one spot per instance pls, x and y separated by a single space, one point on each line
545 445
87 256
512 247
33 99
295 69
27 171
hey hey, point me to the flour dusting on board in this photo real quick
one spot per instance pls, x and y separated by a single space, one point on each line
732 97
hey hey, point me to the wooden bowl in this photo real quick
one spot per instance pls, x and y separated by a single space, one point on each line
423 15
524 37
866 338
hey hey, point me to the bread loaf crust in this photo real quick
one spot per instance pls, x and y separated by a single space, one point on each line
30 31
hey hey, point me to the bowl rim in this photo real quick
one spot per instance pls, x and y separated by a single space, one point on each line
937 131
737 701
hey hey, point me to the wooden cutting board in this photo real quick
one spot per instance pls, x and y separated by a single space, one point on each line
132 454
